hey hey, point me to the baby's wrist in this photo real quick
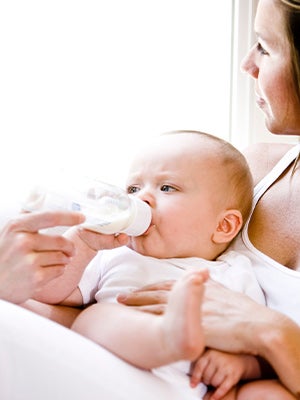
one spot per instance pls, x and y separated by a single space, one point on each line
250 368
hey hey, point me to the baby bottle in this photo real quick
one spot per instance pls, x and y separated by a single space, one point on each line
108 209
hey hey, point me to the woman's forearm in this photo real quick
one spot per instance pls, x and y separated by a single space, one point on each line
235 323
279 344
61 314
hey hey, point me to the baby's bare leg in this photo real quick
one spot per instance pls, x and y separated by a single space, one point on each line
259 390
182 324
147 340
264 389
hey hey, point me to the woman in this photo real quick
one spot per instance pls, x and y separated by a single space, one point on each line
241 325
272 236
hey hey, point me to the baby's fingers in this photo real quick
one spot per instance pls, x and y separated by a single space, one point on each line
222 390
197 370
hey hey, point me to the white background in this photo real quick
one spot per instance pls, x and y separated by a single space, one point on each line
83 83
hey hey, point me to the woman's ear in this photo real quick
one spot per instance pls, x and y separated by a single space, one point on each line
229 225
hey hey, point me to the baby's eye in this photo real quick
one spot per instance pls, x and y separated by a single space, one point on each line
260 49
132 189
167 188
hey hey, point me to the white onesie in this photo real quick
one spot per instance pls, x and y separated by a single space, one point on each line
113 271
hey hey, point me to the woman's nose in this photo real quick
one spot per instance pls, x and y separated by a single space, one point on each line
249 64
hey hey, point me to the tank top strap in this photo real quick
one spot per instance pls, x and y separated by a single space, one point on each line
275 173
262 186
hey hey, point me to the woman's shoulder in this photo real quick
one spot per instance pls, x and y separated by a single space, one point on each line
262 157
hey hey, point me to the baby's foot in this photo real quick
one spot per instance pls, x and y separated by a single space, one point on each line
182 320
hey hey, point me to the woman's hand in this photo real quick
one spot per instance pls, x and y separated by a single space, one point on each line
231 319
28 258
151 298
235 323
99 241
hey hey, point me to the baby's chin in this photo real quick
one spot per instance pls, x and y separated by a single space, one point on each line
142 246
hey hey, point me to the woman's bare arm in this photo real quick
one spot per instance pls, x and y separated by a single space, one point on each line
63 315
235 323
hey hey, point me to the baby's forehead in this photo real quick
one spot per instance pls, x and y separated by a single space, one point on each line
175 158
178 145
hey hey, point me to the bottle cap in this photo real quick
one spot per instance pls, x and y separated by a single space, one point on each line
141 218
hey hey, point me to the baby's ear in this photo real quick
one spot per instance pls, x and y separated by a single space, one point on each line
229 225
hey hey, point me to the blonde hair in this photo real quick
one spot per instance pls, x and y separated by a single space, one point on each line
238 172
291 12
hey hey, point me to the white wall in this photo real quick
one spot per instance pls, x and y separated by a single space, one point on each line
83 82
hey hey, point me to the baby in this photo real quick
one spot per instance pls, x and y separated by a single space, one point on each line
199 189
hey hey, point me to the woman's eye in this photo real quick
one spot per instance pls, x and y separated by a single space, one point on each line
260 49
167 188
132 189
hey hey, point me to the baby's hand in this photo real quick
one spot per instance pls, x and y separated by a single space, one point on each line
87 240
220 370
98 241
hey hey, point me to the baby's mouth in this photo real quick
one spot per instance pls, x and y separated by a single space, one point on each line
151 227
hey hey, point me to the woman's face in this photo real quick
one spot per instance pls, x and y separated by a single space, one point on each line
269 63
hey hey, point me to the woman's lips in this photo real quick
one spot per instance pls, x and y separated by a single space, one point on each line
260 101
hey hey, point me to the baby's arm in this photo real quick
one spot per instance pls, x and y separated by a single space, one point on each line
63 290
223 371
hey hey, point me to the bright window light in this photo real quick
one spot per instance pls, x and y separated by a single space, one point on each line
84 83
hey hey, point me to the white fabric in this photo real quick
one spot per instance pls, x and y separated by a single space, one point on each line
41 360
113 271
280 284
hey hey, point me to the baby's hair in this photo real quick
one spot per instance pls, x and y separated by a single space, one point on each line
240 189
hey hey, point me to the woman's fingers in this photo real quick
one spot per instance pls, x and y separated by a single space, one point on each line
151 298
40 220
98 241
158 286
143 298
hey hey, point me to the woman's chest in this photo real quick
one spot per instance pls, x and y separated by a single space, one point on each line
275 225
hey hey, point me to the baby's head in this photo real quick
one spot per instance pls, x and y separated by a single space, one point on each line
200 190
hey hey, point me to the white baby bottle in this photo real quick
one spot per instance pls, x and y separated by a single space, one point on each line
108 209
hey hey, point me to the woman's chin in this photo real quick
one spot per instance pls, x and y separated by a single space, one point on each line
273 127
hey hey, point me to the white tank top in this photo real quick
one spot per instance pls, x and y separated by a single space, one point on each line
280 284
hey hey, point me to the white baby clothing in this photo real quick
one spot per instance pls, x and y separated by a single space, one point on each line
114 271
